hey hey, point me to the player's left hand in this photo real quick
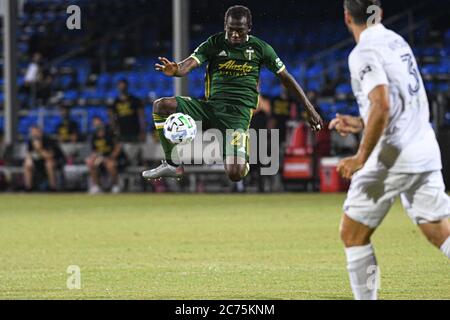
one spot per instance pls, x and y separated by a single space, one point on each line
349 166
315 120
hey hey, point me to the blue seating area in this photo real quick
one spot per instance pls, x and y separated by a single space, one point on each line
49 120
329 110
447 118
87 88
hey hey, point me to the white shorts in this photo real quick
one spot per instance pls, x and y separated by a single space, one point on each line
372 193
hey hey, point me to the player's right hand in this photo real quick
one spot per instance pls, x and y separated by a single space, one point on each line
346 125
167 67
315 120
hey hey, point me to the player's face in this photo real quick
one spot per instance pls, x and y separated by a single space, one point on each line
237 30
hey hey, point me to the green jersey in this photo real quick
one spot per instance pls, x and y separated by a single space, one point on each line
232 73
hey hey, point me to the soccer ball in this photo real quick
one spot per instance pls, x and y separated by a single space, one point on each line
180 129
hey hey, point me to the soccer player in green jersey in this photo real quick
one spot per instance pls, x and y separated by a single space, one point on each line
234 62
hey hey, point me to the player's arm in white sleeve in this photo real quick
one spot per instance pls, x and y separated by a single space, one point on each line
374 83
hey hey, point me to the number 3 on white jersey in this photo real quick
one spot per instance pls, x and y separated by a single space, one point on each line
413 89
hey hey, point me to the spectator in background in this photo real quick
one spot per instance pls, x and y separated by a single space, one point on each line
38 81
127 115
106 155
43 159
260 121
67 131
281 113
33 76
329 87
34 70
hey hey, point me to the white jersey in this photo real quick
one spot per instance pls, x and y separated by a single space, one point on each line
408 144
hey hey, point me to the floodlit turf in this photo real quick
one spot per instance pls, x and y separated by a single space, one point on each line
201 247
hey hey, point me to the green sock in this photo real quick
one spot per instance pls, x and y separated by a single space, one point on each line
167 146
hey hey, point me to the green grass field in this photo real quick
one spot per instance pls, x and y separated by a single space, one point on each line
201 247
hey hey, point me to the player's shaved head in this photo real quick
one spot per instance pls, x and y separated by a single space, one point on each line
239 12
358 9
238 24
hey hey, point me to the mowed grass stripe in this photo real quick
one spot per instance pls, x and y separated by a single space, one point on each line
201 247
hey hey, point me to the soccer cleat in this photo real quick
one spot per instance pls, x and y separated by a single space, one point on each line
247 169
95 189
165 170
116 189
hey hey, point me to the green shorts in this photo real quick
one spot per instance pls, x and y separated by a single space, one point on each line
232 121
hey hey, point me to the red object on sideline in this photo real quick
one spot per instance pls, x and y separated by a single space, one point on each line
300 143
330 180
297 167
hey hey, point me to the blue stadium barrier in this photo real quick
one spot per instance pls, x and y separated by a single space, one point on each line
82 75
344 89
104 80
111 94
430 69
25 123
340 107
443 87
429 86
275 91
444 68
447 36
445 52
325 107
314 71
65 81
294 50
431 52
354 110
447 118
71 95
51 123
314 85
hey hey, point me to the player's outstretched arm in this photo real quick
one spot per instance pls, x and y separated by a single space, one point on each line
292 85
376 124
173 69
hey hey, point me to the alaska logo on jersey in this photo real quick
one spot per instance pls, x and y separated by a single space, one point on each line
231 67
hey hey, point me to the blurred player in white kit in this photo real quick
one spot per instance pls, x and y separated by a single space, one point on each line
399 154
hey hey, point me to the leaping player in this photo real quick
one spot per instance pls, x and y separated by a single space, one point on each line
234 59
